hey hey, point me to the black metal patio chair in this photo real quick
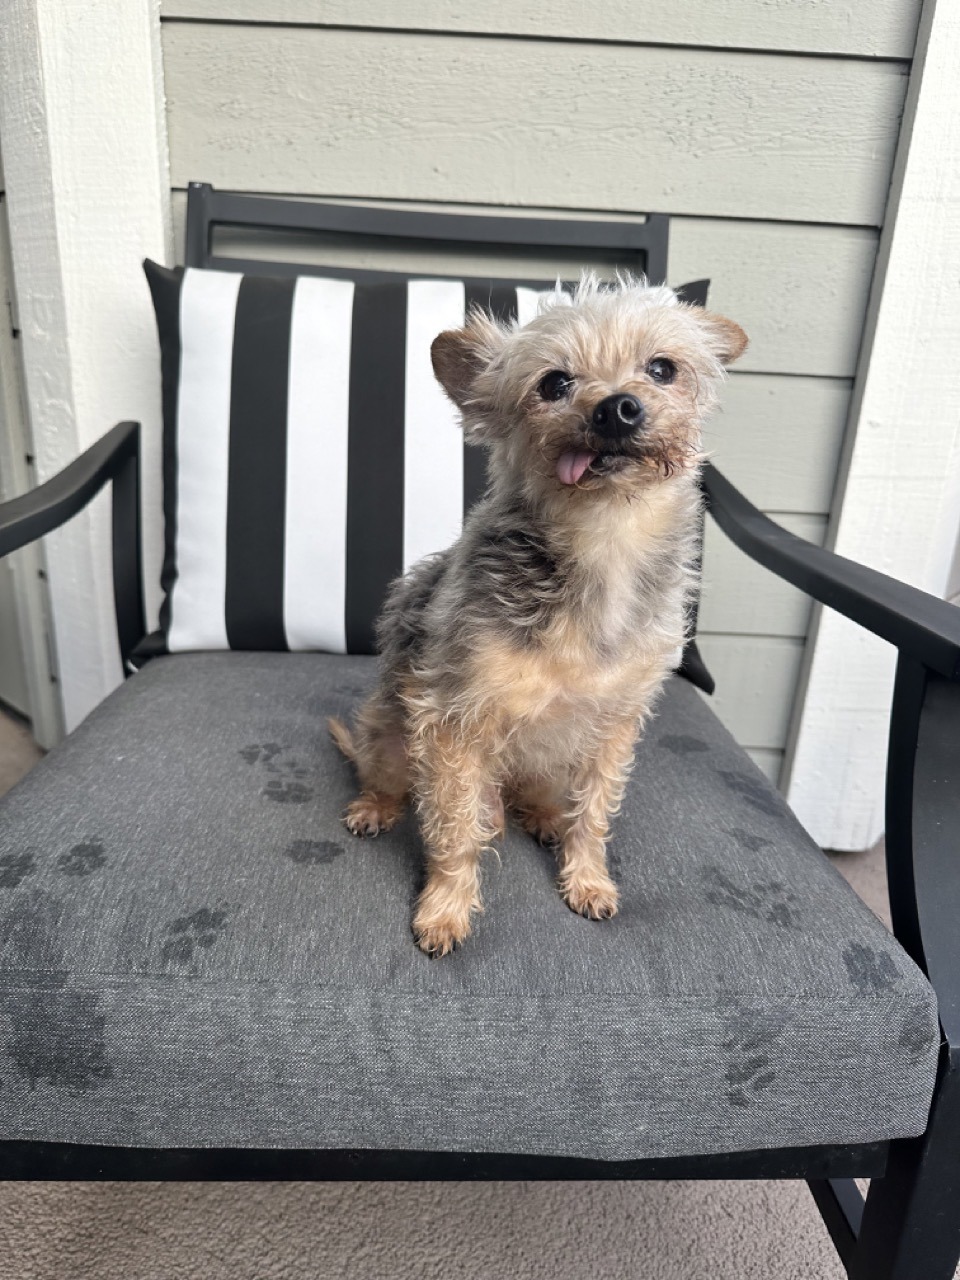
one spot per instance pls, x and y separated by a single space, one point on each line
202 977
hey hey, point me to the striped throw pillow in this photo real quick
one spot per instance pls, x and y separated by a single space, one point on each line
309 454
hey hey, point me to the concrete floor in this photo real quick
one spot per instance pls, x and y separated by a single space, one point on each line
383 1231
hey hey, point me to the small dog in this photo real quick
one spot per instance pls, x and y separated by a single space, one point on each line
519 666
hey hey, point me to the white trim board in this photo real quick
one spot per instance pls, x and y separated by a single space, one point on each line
900 505
88 197
26 566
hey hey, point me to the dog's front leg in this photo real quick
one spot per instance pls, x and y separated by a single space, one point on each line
460 812
597 791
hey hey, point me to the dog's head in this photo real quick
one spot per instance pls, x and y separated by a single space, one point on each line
605 390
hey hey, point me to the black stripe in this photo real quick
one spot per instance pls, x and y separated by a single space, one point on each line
257 473
375 456
501 301
165 287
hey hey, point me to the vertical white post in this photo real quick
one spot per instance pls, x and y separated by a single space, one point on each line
900 508
85 161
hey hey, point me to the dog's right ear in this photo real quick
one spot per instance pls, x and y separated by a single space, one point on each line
459 355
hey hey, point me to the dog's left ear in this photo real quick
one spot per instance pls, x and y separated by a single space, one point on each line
725 338
459 355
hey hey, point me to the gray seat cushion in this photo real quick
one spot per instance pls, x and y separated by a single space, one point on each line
196 952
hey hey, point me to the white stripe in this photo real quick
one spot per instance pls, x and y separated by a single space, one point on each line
208 304
318 416
433 443
528 302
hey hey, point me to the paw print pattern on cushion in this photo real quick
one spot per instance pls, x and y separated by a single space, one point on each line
286 786
313 853
752 790
748 1073
14 869
748 840
768 900
870 970
260 752
284 791
187 934
82 859
749 1045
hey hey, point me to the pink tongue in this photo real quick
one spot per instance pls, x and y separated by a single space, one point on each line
572 464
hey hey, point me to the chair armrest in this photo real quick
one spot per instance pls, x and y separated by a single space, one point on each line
920 625
922 796
115 457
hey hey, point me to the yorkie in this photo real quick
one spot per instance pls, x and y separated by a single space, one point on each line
518 666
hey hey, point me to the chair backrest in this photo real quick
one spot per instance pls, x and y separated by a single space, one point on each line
538 244
639 247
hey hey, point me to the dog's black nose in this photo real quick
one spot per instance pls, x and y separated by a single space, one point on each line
618 415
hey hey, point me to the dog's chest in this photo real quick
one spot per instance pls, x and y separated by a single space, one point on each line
609 607
623 582
559 683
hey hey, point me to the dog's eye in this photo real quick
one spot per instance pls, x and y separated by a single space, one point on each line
662 370
555 385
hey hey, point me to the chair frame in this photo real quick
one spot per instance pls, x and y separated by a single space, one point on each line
909 1226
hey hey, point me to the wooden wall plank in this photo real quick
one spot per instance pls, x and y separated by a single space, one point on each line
519 122
778 438
864 28
799 291
14 691
756 682
740 597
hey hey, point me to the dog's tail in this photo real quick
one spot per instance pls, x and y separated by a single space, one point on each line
342 737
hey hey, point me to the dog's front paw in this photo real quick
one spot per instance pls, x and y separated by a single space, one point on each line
369 815
439 937
442 919
597 898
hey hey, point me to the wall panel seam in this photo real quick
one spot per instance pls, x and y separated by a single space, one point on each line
532 38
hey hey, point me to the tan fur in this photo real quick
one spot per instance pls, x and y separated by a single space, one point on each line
519 666
342 737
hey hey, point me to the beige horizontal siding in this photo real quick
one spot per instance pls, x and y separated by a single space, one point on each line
756 677
865 28
740 597
778 439
518 122
799 291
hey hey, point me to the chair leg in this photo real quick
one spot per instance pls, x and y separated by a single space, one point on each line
911 1220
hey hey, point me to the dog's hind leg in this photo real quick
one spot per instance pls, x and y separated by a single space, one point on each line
541 807
376 747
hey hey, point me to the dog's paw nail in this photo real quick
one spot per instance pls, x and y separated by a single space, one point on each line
355 827
594 902
438 940
369 815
